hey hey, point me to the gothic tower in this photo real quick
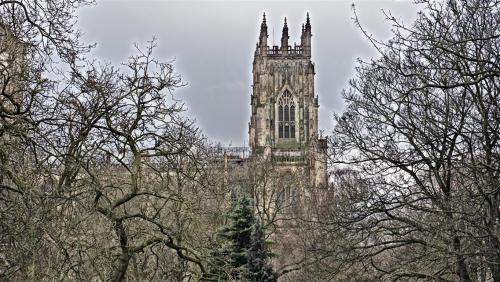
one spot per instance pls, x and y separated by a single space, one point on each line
284 121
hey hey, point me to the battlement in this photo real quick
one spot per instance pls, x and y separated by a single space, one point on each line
301 50
296 50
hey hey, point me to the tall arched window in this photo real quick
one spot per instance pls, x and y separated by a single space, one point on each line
286 116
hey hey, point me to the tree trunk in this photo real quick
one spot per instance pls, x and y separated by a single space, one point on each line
123 261
462 271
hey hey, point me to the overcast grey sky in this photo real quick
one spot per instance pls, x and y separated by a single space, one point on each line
213 42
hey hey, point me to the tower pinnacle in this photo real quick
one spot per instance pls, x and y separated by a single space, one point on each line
306 36
263 26
308 22
285 29
263 33
284 38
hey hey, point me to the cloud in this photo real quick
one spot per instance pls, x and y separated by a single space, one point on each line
213 42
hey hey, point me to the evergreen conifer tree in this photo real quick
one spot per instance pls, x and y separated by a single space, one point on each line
242 253
238 235
258 268
218 265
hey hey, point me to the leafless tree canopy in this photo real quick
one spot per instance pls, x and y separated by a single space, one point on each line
421 130
99 168
103 178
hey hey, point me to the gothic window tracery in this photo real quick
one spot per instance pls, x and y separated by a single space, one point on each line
286 116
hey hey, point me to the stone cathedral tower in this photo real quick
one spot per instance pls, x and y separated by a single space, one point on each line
284 121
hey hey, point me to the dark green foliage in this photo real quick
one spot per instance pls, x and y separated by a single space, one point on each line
238 233
258 267
241 253
218 264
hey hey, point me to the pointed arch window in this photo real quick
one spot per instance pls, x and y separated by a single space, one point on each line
286 116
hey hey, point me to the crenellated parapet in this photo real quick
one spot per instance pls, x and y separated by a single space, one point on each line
284 50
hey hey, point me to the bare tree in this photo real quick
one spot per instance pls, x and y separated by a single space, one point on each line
421 127
101 174
34 35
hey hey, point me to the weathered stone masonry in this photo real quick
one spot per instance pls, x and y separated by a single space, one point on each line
284 119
